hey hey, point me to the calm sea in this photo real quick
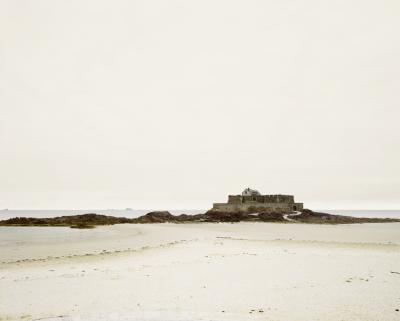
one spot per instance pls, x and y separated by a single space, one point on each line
5 214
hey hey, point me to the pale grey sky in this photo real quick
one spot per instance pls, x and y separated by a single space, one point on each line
176 104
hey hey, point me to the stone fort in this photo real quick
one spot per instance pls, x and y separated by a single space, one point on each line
251 201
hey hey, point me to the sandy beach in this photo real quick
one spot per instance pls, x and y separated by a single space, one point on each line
244 271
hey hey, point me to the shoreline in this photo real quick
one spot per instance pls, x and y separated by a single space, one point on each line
89 221
202 271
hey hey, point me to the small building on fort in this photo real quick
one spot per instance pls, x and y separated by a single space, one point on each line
251 201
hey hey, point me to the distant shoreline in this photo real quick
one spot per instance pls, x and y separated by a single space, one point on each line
91 220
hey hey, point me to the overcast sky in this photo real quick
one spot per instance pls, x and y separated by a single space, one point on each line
176 104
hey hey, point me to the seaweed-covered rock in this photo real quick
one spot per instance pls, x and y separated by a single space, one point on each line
84 219
92 219
309 216
271 217
156 217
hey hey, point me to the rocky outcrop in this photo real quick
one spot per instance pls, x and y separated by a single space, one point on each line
78 221
90 220
308 216
271 217
155 217
164 216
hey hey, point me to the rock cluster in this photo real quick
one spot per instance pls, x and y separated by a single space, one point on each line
90 220
78 221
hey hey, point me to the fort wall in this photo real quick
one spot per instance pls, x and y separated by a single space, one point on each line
259 203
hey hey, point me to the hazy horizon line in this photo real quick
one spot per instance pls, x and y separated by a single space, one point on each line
174 209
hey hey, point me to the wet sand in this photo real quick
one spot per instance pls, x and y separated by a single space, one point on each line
243 271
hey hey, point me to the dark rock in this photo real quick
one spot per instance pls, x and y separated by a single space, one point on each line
308 216
156 217
271 217
77 221
91 219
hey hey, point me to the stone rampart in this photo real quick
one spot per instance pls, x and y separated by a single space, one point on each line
259 203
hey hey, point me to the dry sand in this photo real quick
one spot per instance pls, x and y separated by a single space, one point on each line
243 271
